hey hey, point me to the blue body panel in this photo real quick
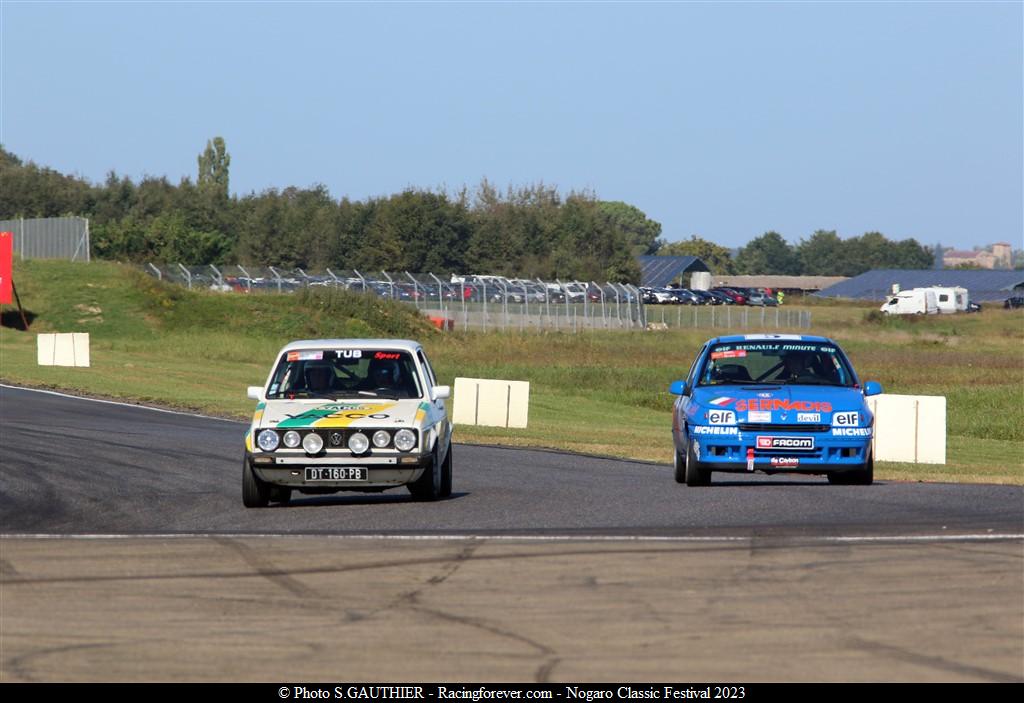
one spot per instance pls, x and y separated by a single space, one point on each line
773 427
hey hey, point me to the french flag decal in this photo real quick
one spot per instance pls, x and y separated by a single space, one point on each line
722 402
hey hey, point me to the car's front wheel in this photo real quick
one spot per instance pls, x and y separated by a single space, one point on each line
255 493
863 476
428 485
446 472
692 471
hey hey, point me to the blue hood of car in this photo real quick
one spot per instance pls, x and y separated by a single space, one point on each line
788 404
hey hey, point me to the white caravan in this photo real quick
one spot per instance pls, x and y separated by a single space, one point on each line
951 299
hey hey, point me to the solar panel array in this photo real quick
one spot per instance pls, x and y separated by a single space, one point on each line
981 285
659 271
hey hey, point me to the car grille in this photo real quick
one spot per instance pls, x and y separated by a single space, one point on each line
778 427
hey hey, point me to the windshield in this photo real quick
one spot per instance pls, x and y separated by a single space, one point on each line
345 373
775 363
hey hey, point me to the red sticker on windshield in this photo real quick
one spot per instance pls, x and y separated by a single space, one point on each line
730 354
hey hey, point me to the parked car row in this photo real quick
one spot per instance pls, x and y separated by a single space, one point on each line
476 289
715 296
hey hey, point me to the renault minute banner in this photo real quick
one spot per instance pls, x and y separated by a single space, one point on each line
6 253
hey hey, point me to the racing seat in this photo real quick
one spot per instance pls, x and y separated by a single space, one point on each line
731 372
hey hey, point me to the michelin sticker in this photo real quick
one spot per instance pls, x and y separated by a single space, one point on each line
713 429
851 431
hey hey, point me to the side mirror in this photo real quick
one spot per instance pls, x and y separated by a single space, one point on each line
255 392
872 388
677 388
441 392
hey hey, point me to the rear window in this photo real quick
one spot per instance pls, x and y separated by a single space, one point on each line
774 363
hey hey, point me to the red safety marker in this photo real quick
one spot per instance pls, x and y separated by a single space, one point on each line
750 459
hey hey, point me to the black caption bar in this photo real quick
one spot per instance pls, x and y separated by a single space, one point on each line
261 693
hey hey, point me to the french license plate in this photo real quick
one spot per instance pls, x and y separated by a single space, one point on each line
335 473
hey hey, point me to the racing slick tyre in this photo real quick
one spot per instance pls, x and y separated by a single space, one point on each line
428 485
281 495
864 476
446 472
694 474
679 463
255 493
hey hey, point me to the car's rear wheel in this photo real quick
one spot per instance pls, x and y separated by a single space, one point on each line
694 474
255 493
428 485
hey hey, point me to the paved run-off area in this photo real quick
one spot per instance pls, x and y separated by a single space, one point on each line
294 609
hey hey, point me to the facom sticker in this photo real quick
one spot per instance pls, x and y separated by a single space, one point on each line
847 419
721 417
798 443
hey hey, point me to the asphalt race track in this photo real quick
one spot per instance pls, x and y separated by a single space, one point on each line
127 555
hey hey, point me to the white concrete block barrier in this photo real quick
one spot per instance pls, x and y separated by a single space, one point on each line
491 402
909 428
63 349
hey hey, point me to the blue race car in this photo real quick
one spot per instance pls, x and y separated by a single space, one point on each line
773 403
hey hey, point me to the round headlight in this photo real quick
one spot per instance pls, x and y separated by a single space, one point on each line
312 443
358 443
292 439
267 440
405 440
381 439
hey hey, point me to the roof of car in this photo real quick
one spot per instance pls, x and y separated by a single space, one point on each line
397 344
771 337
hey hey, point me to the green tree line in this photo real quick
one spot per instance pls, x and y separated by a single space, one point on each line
824 253
530 231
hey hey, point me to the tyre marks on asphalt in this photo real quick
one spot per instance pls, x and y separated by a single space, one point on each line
266 569
880 649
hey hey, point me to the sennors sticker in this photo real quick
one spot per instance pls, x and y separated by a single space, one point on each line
729 354
779 404
851 431
848 419
721 417
808 417
784 461
710 429
796 443
759 416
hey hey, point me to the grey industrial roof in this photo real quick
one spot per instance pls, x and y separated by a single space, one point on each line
659 271
981 285
805 283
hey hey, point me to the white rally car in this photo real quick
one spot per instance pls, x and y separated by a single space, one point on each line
348 415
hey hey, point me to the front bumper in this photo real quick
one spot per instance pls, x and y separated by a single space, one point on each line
386 471
733 453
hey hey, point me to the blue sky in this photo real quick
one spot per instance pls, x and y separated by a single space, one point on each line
718 119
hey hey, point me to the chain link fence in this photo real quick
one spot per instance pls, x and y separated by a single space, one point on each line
489 303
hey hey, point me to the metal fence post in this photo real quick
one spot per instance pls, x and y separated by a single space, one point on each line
220 278
361 280
333 278
159 273
391 284
188 275
248 276
277 277
440 299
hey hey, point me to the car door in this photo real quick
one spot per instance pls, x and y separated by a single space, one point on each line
439 409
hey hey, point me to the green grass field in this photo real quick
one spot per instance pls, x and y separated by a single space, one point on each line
599 392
